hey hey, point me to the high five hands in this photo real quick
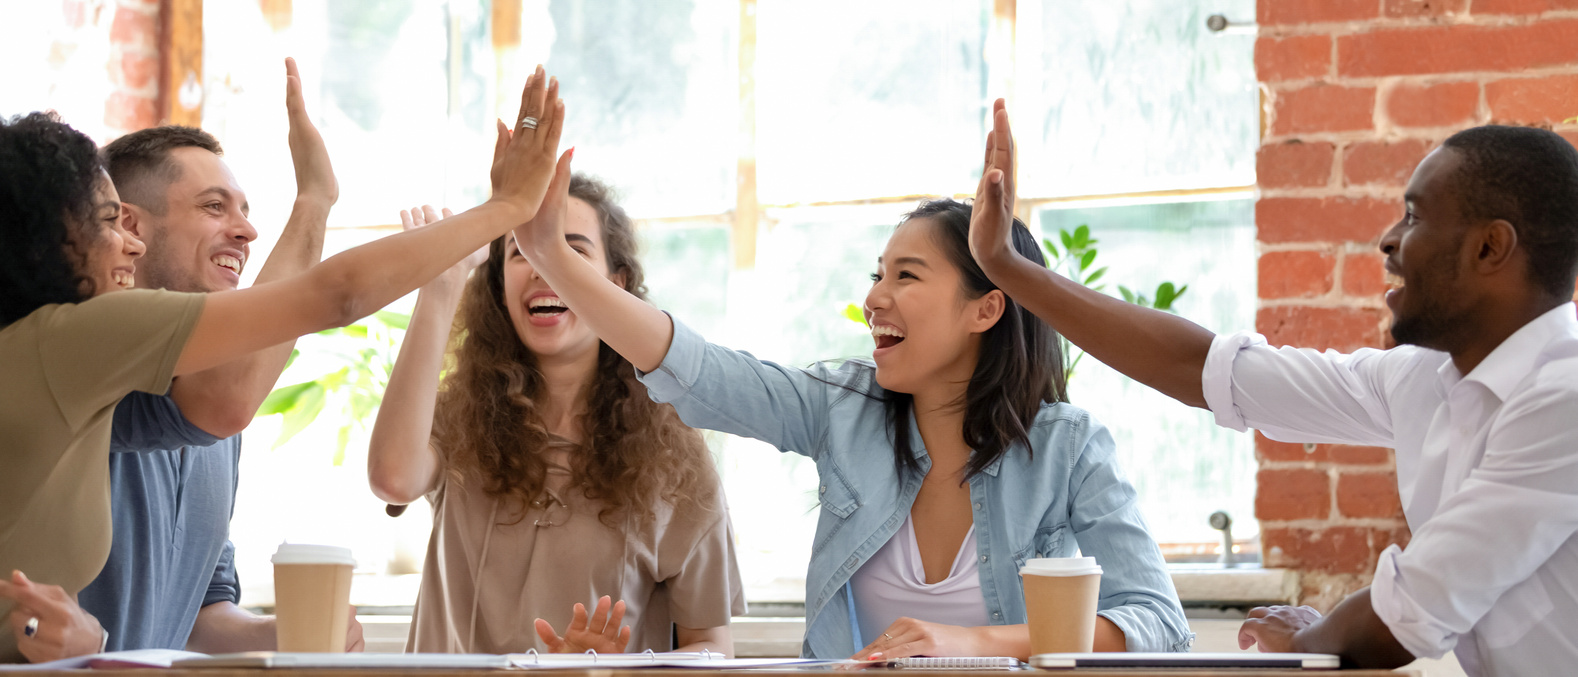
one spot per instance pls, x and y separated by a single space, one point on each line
523 157
992 216
601 633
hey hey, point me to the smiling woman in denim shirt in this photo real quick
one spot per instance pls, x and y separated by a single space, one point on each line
945 461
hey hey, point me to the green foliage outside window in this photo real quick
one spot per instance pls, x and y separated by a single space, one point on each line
353 392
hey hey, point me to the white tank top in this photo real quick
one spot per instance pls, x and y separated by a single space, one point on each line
892 585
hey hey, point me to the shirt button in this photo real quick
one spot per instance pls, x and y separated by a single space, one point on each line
824 488
977 506
997 614
983 558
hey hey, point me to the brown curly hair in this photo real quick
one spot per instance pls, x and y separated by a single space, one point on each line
636 452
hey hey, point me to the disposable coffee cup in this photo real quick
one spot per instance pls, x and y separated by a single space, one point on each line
1060 603
312 597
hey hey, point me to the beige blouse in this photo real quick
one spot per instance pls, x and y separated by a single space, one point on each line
492 569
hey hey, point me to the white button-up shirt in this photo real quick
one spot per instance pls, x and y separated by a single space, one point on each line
1487 465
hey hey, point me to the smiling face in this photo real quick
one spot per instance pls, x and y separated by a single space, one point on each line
548 328
109 260
926 328
1425 250
201 239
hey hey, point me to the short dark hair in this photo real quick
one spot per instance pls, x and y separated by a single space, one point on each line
1020 365
48 172
140 163
1529 177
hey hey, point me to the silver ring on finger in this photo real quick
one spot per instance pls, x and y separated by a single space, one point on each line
528 122
31 628
890 637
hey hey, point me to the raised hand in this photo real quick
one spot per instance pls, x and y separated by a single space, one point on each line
47 622
546 229
417 217
992 217
601 633
523 158
314 175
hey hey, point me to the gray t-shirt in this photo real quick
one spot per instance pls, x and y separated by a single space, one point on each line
173 488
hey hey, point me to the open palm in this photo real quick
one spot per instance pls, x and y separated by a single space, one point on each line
600 632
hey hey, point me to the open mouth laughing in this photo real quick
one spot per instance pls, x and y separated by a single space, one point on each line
886 335
228 262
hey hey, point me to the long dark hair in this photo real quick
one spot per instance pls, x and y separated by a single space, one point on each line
1020 364
47 175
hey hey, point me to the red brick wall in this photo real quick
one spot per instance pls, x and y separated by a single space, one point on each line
133 65
1356 92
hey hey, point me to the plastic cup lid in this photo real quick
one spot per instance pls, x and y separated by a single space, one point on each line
300 553
1061 566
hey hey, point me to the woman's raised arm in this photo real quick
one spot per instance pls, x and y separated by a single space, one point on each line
359 281
402 465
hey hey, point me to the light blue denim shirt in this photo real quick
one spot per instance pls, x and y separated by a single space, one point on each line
1063 494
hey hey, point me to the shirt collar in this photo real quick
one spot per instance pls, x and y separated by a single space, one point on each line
918 449
1506 366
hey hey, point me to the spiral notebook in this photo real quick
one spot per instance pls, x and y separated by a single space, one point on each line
957 663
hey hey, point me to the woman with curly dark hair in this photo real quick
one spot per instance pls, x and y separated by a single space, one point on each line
555 481
74 340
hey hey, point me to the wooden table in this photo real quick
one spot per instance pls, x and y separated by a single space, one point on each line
663 672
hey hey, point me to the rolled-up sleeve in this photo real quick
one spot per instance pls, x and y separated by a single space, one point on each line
225 586
1475 564
1303 395
1217 379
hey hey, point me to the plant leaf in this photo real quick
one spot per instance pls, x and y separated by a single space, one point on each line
1087 259
1127 295
1082 235
1095 276
1164 295
283 399
393 319
854 313
1051 248
301 416
1067 238
345 438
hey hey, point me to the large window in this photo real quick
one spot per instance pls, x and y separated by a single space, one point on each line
768 148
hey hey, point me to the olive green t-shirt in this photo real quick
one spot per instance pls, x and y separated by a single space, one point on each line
63 368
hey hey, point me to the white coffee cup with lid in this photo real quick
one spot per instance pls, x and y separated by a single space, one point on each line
1060 603
312 597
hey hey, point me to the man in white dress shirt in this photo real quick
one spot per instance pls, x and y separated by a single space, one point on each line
1480 400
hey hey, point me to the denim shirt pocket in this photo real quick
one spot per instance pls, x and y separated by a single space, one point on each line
1046 542
836 496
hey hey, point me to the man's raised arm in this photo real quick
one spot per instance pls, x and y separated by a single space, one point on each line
1161 350
223 400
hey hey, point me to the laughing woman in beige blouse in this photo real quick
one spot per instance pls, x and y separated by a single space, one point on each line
570 511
